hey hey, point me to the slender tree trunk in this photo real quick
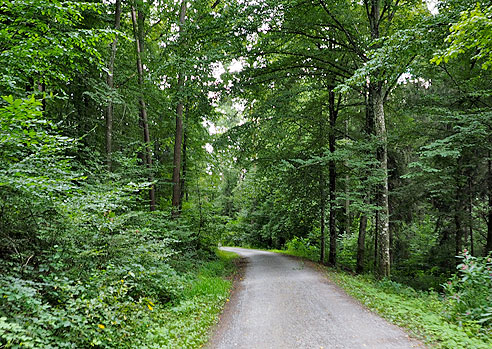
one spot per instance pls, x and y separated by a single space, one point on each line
42 89
459 234
457 219
470 216
348 220
110 82
178 138
361 240
143 108
376 241
200 223
332 258
488 246
322 214
183 174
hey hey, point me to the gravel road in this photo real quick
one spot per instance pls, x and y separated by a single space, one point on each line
283 303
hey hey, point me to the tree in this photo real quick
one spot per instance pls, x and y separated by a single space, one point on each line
110 82
138 32
178 138
473 32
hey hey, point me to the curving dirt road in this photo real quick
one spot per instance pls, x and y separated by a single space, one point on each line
283 303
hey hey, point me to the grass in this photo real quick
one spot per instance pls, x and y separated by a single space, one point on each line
422 314
187 323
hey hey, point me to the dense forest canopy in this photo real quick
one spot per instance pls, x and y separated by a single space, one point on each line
135 136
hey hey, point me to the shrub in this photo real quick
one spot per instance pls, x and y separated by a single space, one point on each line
469 291
302 247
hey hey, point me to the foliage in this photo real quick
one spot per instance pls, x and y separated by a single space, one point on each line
302 248
469 291
85 266
187 323
45 41
472 32
422 313
290 120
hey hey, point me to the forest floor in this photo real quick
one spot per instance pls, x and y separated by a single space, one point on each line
282 302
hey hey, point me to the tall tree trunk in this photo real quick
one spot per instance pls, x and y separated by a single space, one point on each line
143 108
348 220
178 137
382 190
457 219
376 93
369 130
200 222
361 240
488 246
470 216
110 82
183 174
376 241
332 258
322 214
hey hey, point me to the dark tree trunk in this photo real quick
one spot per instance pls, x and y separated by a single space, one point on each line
332 258
200 222
110 82
42 89
376 242
457 220
183 174
178 137
470 216
361 240
322 214
348 220
143 108
488 246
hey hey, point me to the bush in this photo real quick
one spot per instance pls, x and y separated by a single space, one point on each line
302 247
469 291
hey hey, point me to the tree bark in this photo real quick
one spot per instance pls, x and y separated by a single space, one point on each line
138 34
376 95
110 83
488 246
183 174
376 241
470 216
361 240
348 220
457 218
332 258
42 89
322 214
382 189
178 138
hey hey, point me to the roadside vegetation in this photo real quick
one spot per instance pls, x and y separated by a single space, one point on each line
135 136
460 316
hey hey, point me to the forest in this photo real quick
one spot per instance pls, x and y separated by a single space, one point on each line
137 136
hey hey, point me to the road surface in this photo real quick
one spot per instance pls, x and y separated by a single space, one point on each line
283 303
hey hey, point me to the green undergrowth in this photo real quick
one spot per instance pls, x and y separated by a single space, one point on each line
187 323
423 314
173 307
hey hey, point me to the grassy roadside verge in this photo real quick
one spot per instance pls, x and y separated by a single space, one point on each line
187 323
422 314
